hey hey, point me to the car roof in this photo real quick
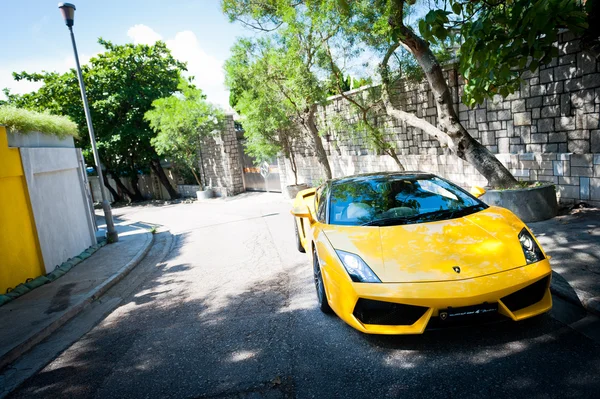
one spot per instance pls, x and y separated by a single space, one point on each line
380 175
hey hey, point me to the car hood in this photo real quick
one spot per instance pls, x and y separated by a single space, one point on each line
479 244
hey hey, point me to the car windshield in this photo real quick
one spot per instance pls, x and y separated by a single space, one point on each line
394 200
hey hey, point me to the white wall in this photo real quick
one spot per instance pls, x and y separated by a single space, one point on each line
62 213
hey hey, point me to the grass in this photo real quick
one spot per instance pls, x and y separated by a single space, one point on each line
523 184
25 121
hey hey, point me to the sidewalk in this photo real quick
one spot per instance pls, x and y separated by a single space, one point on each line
29 319
573 241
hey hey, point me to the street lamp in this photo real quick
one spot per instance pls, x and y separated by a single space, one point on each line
68 13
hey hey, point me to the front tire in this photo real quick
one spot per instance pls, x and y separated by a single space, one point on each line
320 286
297 234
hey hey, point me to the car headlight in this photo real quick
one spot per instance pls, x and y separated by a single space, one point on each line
532 251
357 268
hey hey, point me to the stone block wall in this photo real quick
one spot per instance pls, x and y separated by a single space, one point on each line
221 161
548 130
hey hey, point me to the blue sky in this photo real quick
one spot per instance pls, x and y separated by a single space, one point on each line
34 37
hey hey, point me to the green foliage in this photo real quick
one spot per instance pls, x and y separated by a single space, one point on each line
251 76
346 83
121 83
276 78
272 85
501 39
497 40
25 121
181 122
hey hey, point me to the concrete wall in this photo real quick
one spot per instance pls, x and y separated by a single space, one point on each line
20 254
149 185
548 130
188 190
61 210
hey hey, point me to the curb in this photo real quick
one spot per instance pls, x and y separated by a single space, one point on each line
35 339
578 298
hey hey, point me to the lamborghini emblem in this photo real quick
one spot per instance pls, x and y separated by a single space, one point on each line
456 269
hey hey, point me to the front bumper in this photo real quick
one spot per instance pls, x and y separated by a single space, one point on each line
520 293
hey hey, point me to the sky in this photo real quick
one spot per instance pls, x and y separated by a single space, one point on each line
34 37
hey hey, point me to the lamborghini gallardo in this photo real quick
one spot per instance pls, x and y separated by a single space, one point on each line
397 253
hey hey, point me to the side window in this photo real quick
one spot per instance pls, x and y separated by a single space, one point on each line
322 204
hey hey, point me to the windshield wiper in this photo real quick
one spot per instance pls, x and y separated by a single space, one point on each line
429 216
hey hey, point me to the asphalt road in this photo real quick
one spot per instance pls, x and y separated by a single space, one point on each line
230 312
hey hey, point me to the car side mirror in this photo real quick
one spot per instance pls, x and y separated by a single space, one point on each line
303 212
477 191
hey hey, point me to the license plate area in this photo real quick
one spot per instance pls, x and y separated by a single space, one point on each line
468 312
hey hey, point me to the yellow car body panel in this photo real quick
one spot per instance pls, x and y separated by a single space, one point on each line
398 255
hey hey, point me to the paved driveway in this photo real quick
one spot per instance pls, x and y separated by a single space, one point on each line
231 313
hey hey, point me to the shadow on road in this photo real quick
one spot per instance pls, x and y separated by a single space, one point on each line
573 241
268 340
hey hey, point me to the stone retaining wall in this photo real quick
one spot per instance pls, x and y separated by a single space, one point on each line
548 130
221 161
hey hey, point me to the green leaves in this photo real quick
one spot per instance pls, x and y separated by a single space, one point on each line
457 8
433 28
502 40
122 82
275 87
181 121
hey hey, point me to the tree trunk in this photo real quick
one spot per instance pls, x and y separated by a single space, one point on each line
155 165
392 153
294 166
116 196
451 131
197 178
288 150
136 188
311 126
373 133
134 180
132 197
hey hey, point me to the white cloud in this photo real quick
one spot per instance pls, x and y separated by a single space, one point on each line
7 81
60 65
185 46
142 34
206 69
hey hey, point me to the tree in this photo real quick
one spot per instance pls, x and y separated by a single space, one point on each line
494 44
181 121
269 118
122 82
497 39
279 73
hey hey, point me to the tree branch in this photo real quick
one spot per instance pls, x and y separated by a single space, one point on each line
414 120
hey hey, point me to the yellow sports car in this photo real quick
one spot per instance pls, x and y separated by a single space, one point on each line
394 253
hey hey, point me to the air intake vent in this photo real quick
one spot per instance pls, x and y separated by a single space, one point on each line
527 296
387 313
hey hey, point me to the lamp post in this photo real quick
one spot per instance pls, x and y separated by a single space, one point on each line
68 13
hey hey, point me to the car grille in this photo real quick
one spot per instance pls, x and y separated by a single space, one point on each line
435 323
369 311
527 296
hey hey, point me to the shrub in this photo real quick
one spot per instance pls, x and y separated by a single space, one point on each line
25 121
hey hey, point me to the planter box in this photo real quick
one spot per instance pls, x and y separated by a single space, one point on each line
529 204
292 191
206 194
